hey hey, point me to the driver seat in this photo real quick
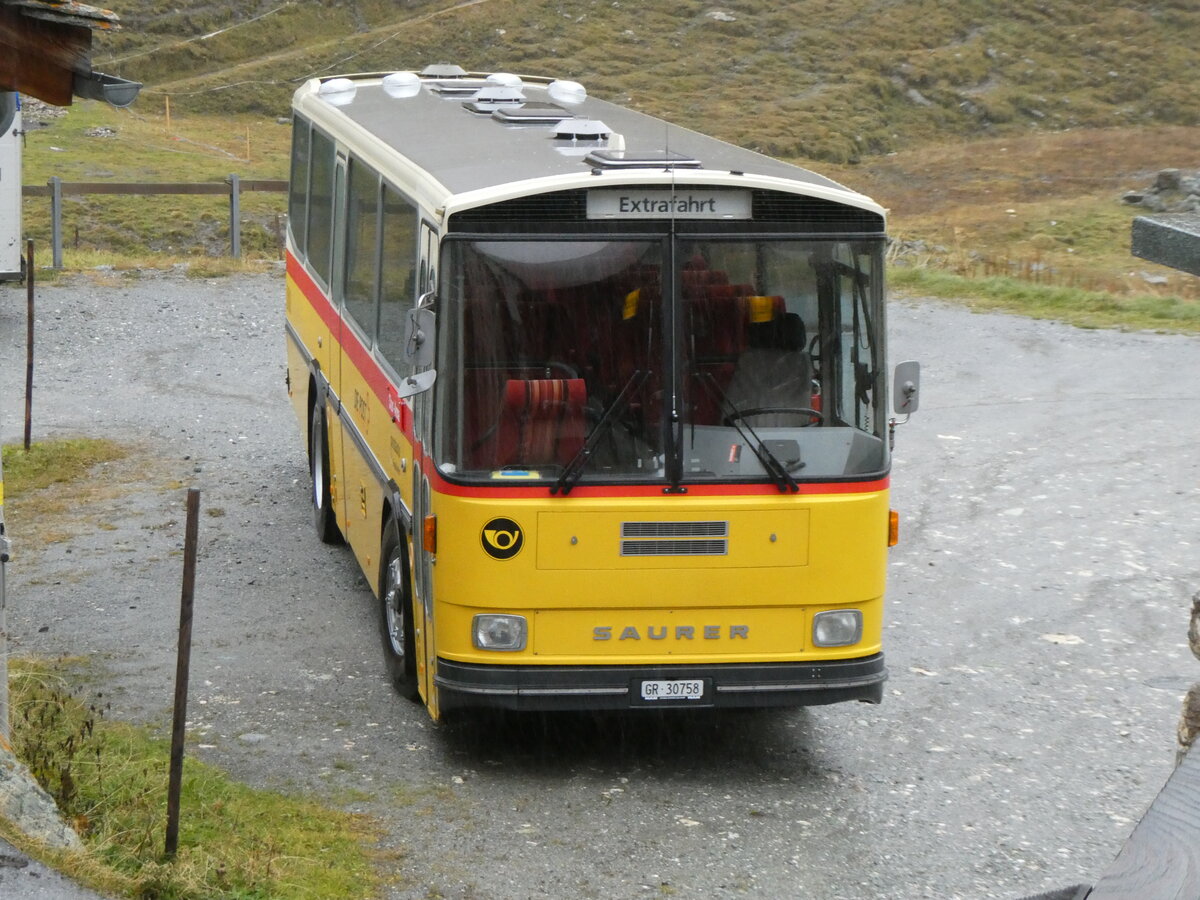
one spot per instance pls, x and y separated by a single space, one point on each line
774 371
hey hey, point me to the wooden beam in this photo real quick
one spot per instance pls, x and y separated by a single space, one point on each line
40 58
1161 859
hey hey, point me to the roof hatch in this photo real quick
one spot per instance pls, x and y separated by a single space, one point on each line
641 159
531 114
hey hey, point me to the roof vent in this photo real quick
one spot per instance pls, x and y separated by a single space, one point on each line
582 130
641 159
489 99
402 84
338 91
443 70
505 78
567 91
499 94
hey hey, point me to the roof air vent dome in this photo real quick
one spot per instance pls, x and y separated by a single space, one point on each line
567 91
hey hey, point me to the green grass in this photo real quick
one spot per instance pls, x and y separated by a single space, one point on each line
835 82
1086 309
235 842
54 462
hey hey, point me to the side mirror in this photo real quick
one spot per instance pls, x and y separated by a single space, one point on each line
418 338
906 388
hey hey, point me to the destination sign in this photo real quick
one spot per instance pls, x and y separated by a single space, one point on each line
640 203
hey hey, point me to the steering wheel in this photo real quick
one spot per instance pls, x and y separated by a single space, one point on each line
814 415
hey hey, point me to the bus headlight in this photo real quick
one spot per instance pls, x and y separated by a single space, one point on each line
496 632
837 628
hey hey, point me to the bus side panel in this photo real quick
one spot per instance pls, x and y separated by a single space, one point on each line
361 513
785 561
311 315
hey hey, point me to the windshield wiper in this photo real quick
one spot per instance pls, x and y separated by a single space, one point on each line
770 462
574 469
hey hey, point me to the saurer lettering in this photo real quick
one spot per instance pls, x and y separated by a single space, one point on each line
665 632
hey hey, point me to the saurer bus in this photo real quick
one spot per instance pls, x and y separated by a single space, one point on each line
598 403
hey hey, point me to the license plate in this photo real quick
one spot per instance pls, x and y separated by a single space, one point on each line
673 689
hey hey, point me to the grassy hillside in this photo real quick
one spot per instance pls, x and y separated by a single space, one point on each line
1000 141
835 81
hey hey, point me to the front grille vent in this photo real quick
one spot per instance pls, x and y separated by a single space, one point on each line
674 538
814 214
559 206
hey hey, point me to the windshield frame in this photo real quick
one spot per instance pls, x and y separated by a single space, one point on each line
865 315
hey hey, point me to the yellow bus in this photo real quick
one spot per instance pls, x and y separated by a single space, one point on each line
597 402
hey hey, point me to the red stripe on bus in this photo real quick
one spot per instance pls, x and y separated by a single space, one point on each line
361 357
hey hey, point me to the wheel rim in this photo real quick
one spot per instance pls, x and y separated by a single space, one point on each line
318 465
393 598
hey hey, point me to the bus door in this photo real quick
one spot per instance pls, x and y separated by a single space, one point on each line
422 559
358 501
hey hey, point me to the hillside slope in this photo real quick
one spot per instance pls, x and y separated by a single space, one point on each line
810 78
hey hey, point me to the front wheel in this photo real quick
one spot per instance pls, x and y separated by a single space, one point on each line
318 462
395 616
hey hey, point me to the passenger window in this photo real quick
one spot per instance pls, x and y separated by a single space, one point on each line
298 196
320 206
362 247
397 289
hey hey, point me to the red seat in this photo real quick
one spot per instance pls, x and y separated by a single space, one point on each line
542 421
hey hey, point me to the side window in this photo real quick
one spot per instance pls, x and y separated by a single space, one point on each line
320 205
397 288
362 247
298 189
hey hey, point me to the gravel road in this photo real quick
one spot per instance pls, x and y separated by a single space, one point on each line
1049 490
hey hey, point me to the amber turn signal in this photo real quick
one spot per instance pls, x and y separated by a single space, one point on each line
429 534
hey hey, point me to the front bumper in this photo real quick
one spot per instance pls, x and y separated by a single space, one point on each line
728 685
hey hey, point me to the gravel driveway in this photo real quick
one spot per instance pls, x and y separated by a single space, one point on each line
1049 490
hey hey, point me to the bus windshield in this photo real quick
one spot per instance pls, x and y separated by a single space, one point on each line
670 360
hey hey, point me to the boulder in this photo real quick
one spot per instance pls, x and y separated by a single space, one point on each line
27 805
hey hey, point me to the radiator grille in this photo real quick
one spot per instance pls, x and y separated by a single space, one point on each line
674 538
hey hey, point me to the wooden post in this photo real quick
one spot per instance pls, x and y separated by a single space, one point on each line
29 281
56 221
235 216
168 105
182 667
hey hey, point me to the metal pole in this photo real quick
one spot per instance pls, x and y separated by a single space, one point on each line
235 216
182 667
30 278
56 221
5 550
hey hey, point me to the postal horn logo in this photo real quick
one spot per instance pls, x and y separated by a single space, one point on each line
502 538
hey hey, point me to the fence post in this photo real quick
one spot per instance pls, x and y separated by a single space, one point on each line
30 279
183 664
235 217
56 221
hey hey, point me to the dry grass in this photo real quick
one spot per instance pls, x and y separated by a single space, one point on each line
1044 208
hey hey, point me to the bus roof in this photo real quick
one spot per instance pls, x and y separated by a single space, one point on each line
427 122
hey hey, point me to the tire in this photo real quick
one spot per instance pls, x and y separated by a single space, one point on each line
395 616
318 462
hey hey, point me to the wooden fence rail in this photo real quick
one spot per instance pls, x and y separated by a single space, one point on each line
232 187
